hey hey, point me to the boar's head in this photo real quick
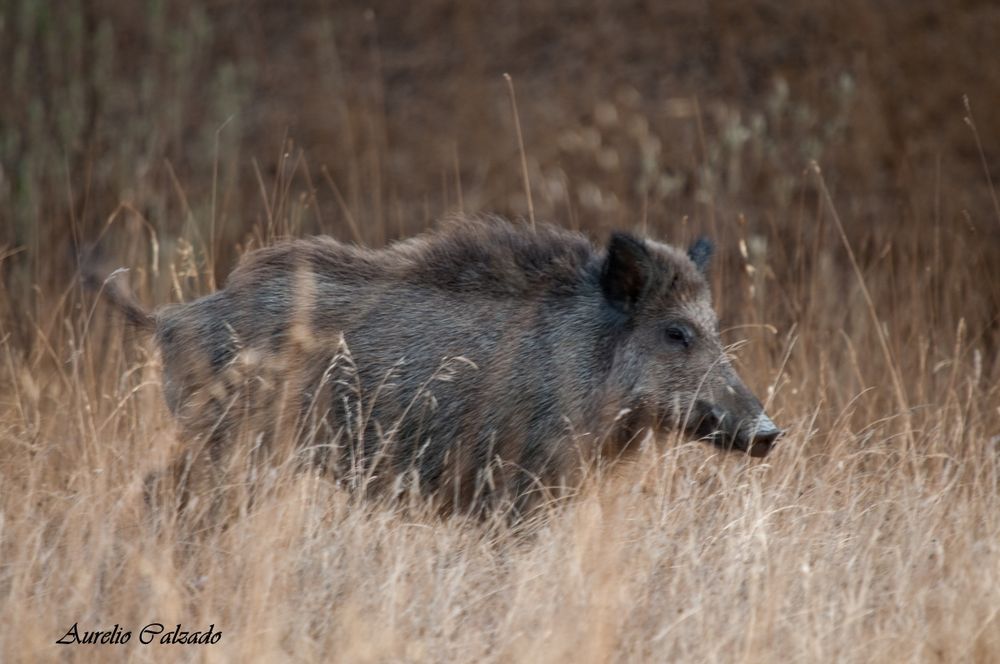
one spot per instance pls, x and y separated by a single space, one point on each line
669 363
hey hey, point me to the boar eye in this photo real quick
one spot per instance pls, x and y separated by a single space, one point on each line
679 334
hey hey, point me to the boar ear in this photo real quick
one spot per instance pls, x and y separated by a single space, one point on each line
626 272
700 253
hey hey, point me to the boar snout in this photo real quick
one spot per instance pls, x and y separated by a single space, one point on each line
762 436
754 434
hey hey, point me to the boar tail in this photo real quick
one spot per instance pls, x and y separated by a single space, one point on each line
119 295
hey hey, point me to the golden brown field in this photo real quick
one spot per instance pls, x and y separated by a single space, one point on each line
828 151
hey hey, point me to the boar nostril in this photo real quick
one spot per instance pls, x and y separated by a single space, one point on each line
765 430
767 437
763 437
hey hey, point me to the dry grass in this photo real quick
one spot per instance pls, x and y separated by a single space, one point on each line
853 542
871 321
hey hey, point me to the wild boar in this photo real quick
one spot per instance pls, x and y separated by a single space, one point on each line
488 361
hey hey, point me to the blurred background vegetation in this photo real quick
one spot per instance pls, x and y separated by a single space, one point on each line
192 129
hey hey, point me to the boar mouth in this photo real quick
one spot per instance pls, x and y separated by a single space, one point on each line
753 435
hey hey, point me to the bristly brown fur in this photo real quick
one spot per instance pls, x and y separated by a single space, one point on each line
488 257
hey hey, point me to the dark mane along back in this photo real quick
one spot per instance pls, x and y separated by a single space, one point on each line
499 259
488 257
